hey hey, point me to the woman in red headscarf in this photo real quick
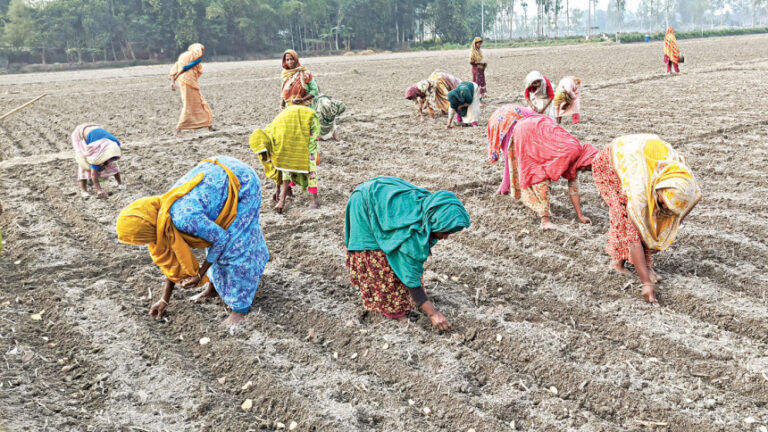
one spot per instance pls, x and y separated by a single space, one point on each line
299 87
546 152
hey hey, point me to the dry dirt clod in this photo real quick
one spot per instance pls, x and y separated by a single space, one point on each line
498 338
246 386
280 425
427 411
353 356
763 429
553 390
385 346
411 402
222 380
205 341
749 420
247 405
293 426
36 317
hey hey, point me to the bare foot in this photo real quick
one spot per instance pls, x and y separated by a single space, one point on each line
276 195
336 136
548 225
289 192
280 207
503 191
177 132
648 293
208 292
403 319
233 319
618 266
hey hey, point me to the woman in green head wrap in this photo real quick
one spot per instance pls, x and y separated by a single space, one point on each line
390 227
465 103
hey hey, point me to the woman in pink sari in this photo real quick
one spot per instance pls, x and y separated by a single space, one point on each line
96 153
500 126
545 153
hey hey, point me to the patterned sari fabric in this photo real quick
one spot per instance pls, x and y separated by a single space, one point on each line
651 171
93 146
381 289
195 113
287 147
569 92
215 206
622 232
441 82
327 110
671 51
536 197
297 82
500 126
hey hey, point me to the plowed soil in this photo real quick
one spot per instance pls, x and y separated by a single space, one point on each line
544 338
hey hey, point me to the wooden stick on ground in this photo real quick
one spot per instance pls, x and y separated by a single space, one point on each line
23 106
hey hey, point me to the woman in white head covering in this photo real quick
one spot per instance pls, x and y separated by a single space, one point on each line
539 93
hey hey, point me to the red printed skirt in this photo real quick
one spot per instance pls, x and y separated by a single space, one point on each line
623 231
381 289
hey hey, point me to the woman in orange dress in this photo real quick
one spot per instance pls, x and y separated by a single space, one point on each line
671 51
195 113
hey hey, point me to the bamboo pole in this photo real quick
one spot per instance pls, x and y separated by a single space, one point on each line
17 109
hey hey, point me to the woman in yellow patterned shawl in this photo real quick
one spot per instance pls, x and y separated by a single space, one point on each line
288 150
649 190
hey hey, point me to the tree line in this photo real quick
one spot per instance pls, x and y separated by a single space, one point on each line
111 30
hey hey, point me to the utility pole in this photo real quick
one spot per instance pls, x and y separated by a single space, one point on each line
482 19
589 18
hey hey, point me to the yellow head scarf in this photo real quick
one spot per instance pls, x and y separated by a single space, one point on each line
148 221
650 169
477 55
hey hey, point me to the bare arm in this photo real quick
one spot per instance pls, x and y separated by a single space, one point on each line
96 185
193 281
157 309
637 252
438 320
450 117
573 191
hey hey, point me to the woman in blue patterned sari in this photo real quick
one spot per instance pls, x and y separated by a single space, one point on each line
214 206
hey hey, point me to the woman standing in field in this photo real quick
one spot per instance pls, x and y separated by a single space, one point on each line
649 190
96 153
501 124
288 150
538 93
390 228
299 87
671 51
546 152
195 113
214 206
568 99
478 65
465 102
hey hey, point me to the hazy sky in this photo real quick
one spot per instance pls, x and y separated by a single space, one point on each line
601 4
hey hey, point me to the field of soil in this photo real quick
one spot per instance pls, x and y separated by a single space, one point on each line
544 338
